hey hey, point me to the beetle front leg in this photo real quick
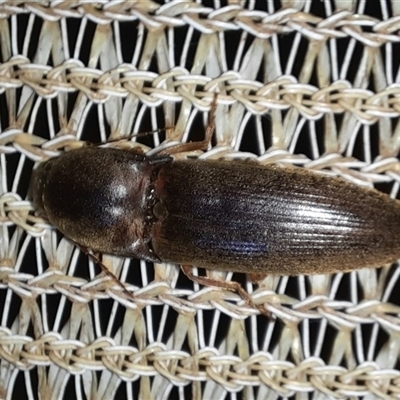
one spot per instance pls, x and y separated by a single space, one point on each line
96 259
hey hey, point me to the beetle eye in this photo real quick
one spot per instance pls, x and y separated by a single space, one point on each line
160 211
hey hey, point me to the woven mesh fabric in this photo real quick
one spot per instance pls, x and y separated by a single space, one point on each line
312 84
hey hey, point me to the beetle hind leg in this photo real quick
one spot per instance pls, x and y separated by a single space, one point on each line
231 286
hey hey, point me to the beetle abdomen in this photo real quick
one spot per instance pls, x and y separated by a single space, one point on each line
251 218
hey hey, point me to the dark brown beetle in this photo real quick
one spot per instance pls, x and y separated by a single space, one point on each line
221 215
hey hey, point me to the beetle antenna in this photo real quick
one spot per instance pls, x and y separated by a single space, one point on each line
126 138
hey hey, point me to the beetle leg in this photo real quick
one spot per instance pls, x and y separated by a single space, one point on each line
231 286
96 259
203 144
256 278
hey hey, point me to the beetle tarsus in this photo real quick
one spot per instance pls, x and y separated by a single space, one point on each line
256 278
97 260
193 146
231 286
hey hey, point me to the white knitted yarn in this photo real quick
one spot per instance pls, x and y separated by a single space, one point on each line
299 82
